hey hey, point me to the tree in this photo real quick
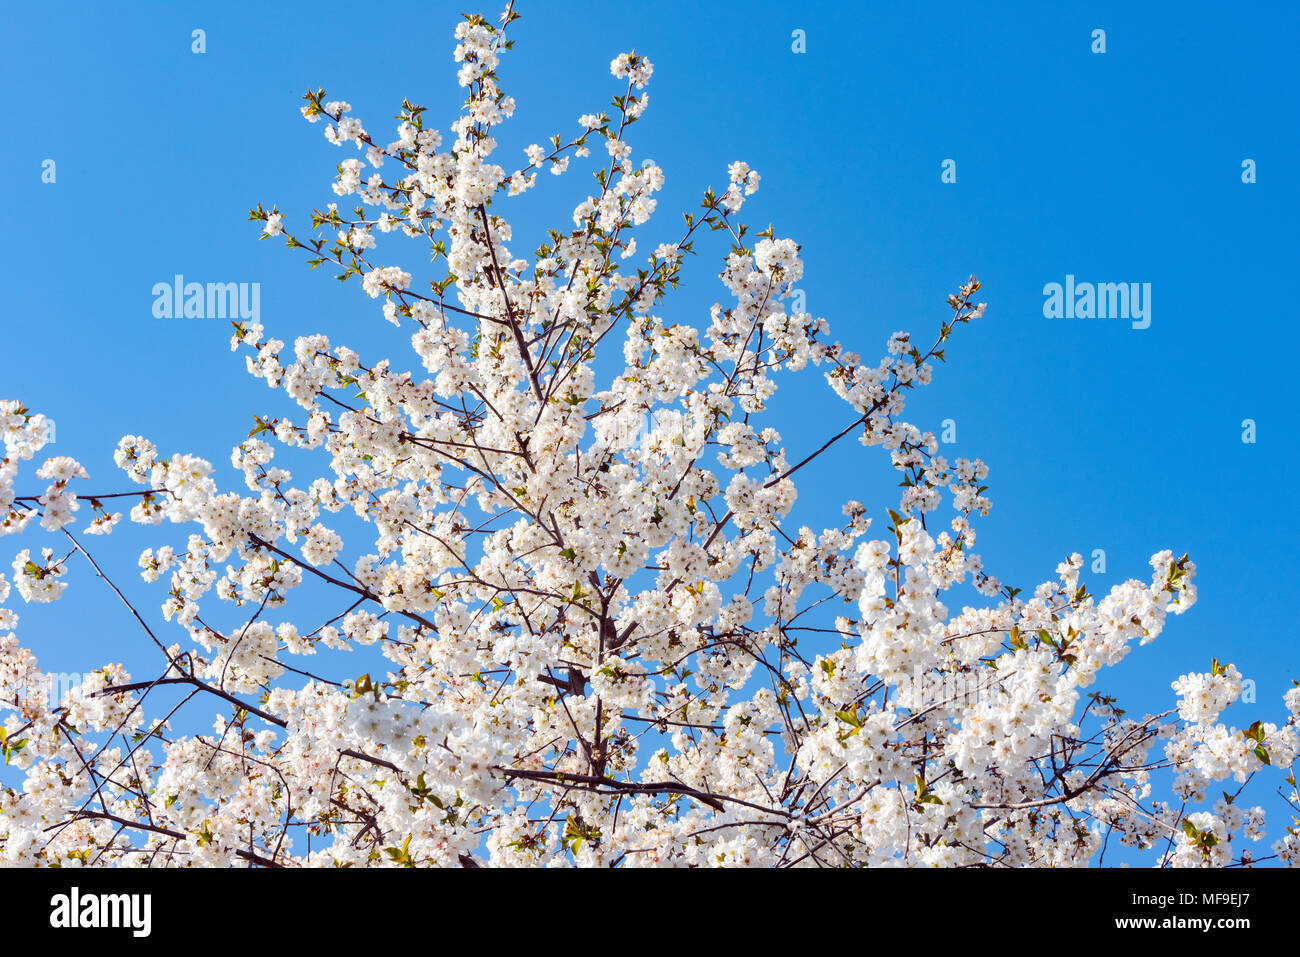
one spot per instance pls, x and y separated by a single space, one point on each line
596 610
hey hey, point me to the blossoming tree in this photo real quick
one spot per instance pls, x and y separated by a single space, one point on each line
589 590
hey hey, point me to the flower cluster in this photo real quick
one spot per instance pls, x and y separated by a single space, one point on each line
599 628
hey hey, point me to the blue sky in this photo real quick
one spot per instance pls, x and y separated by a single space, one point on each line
1116 167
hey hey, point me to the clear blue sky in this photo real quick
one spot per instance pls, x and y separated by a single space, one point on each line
1121 167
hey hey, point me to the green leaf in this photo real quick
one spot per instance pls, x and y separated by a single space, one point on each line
1017 640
